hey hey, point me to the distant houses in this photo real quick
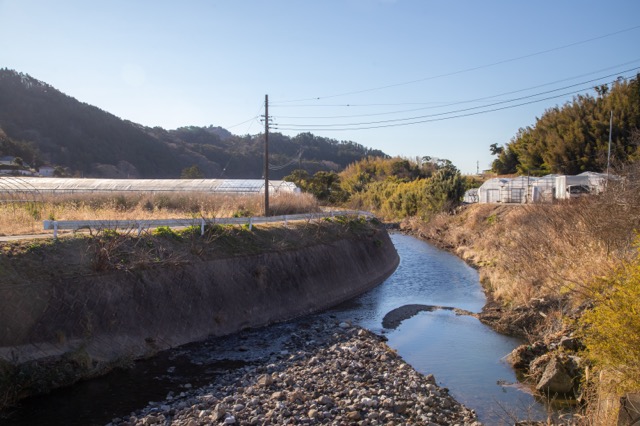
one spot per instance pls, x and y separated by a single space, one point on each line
526 189
15 166
46 171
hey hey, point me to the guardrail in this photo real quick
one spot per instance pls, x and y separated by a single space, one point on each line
141 225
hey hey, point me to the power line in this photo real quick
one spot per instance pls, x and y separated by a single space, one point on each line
291 162
466 70
464 109
433 119
445 104
240 124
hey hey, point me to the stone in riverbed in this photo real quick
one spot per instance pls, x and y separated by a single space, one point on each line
555 378
354 416
325 400
265 380
218 412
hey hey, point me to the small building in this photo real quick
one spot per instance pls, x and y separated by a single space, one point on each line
46 171
543 189
7 160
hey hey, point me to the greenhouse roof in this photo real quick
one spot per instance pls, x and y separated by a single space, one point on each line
42 184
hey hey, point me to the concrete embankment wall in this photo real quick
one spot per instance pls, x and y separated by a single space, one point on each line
128 314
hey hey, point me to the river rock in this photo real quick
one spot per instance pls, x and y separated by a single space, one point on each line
571 343
522 356
218 412
348 376
556 378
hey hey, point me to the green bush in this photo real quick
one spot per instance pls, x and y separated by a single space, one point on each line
108 233
242 212
611 329
190 231
166 232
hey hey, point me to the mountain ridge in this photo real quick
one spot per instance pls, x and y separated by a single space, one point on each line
50 127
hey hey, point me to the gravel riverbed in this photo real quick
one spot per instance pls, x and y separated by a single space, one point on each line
316 372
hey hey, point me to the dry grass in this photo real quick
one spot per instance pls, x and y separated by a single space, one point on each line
551 251
546 260
22 217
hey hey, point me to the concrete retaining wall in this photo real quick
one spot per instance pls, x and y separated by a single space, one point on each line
131 314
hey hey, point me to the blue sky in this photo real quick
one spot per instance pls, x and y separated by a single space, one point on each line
331 67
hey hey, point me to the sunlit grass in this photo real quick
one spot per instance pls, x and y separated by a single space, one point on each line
25 217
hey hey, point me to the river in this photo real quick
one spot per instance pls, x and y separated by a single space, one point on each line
464 355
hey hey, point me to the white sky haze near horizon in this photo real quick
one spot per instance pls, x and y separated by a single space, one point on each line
359 70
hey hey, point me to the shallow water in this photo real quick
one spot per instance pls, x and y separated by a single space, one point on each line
463 354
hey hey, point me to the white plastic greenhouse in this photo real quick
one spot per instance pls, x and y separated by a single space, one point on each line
543 189
504 190
75 185
595 182
525 189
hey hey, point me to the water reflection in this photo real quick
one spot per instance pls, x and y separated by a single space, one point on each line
463 354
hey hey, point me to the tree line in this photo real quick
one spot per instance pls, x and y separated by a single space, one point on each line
574 138
394 188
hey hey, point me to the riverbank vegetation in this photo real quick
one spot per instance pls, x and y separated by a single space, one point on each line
25 217
554 273
565 277
393 188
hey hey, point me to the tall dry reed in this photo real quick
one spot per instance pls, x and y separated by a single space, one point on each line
25 217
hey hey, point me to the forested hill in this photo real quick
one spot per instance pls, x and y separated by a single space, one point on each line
42 125
574 138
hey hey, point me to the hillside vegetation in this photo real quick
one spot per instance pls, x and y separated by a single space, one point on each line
43 125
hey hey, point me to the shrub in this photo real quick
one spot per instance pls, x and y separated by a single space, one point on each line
242 212
611 330
166 232
190 231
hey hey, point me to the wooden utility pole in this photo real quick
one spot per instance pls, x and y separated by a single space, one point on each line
609 150
266 155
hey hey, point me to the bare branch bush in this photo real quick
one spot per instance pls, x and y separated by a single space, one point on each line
113 250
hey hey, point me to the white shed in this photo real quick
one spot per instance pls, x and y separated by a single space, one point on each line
597 181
